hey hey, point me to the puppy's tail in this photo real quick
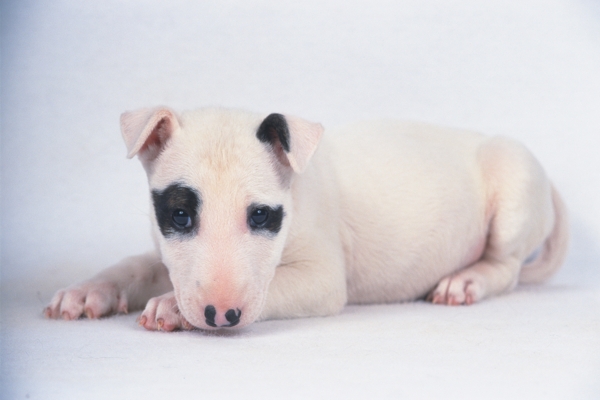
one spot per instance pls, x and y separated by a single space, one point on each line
553 250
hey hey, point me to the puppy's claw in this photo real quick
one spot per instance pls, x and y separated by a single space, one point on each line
160 323
142 320
469 299
122 307
89 313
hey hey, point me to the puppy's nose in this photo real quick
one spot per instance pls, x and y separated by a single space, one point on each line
210 313
232 316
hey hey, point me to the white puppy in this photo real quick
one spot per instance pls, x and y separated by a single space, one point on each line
260 217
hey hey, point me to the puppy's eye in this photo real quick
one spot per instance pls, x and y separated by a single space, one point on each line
259 217
181 219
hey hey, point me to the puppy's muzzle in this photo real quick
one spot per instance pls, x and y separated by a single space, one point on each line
232 316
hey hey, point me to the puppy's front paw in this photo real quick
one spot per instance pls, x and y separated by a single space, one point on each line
162 314
456 290
94 299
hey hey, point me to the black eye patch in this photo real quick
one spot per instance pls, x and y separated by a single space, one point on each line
265 219
177 208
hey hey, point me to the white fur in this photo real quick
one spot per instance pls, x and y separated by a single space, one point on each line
378 212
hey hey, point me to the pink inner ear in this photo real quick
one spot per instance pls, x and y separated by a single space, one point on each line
305 139
157 139
278 148
146 131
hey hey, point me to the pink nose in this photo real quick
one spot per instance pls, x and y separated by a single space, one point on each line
232 316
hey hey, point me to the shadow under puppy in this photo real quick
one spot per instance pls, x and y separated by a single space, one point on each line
262 217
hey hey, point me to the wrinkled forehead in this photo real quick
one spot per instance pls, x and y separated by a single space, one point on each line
218 153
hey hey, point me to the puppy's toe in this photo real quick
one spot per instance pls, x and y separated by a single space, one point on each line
439 295
99 303
71 306
167 314
53 309
456 294
148 317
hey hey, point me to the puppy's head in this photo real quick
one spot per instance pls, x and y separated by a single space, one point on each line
220 190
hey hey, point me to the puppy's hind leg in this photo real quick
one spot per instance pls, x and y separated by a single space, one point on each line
521 217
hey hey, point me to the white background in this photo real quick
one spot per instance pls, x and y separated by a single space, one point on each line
72 204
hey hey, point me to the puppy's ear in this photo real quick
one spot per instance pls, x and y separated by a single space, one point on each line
146 131
294 140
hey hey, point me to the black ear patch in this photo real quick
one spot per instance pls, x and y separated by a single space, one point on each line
275 129
177 208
